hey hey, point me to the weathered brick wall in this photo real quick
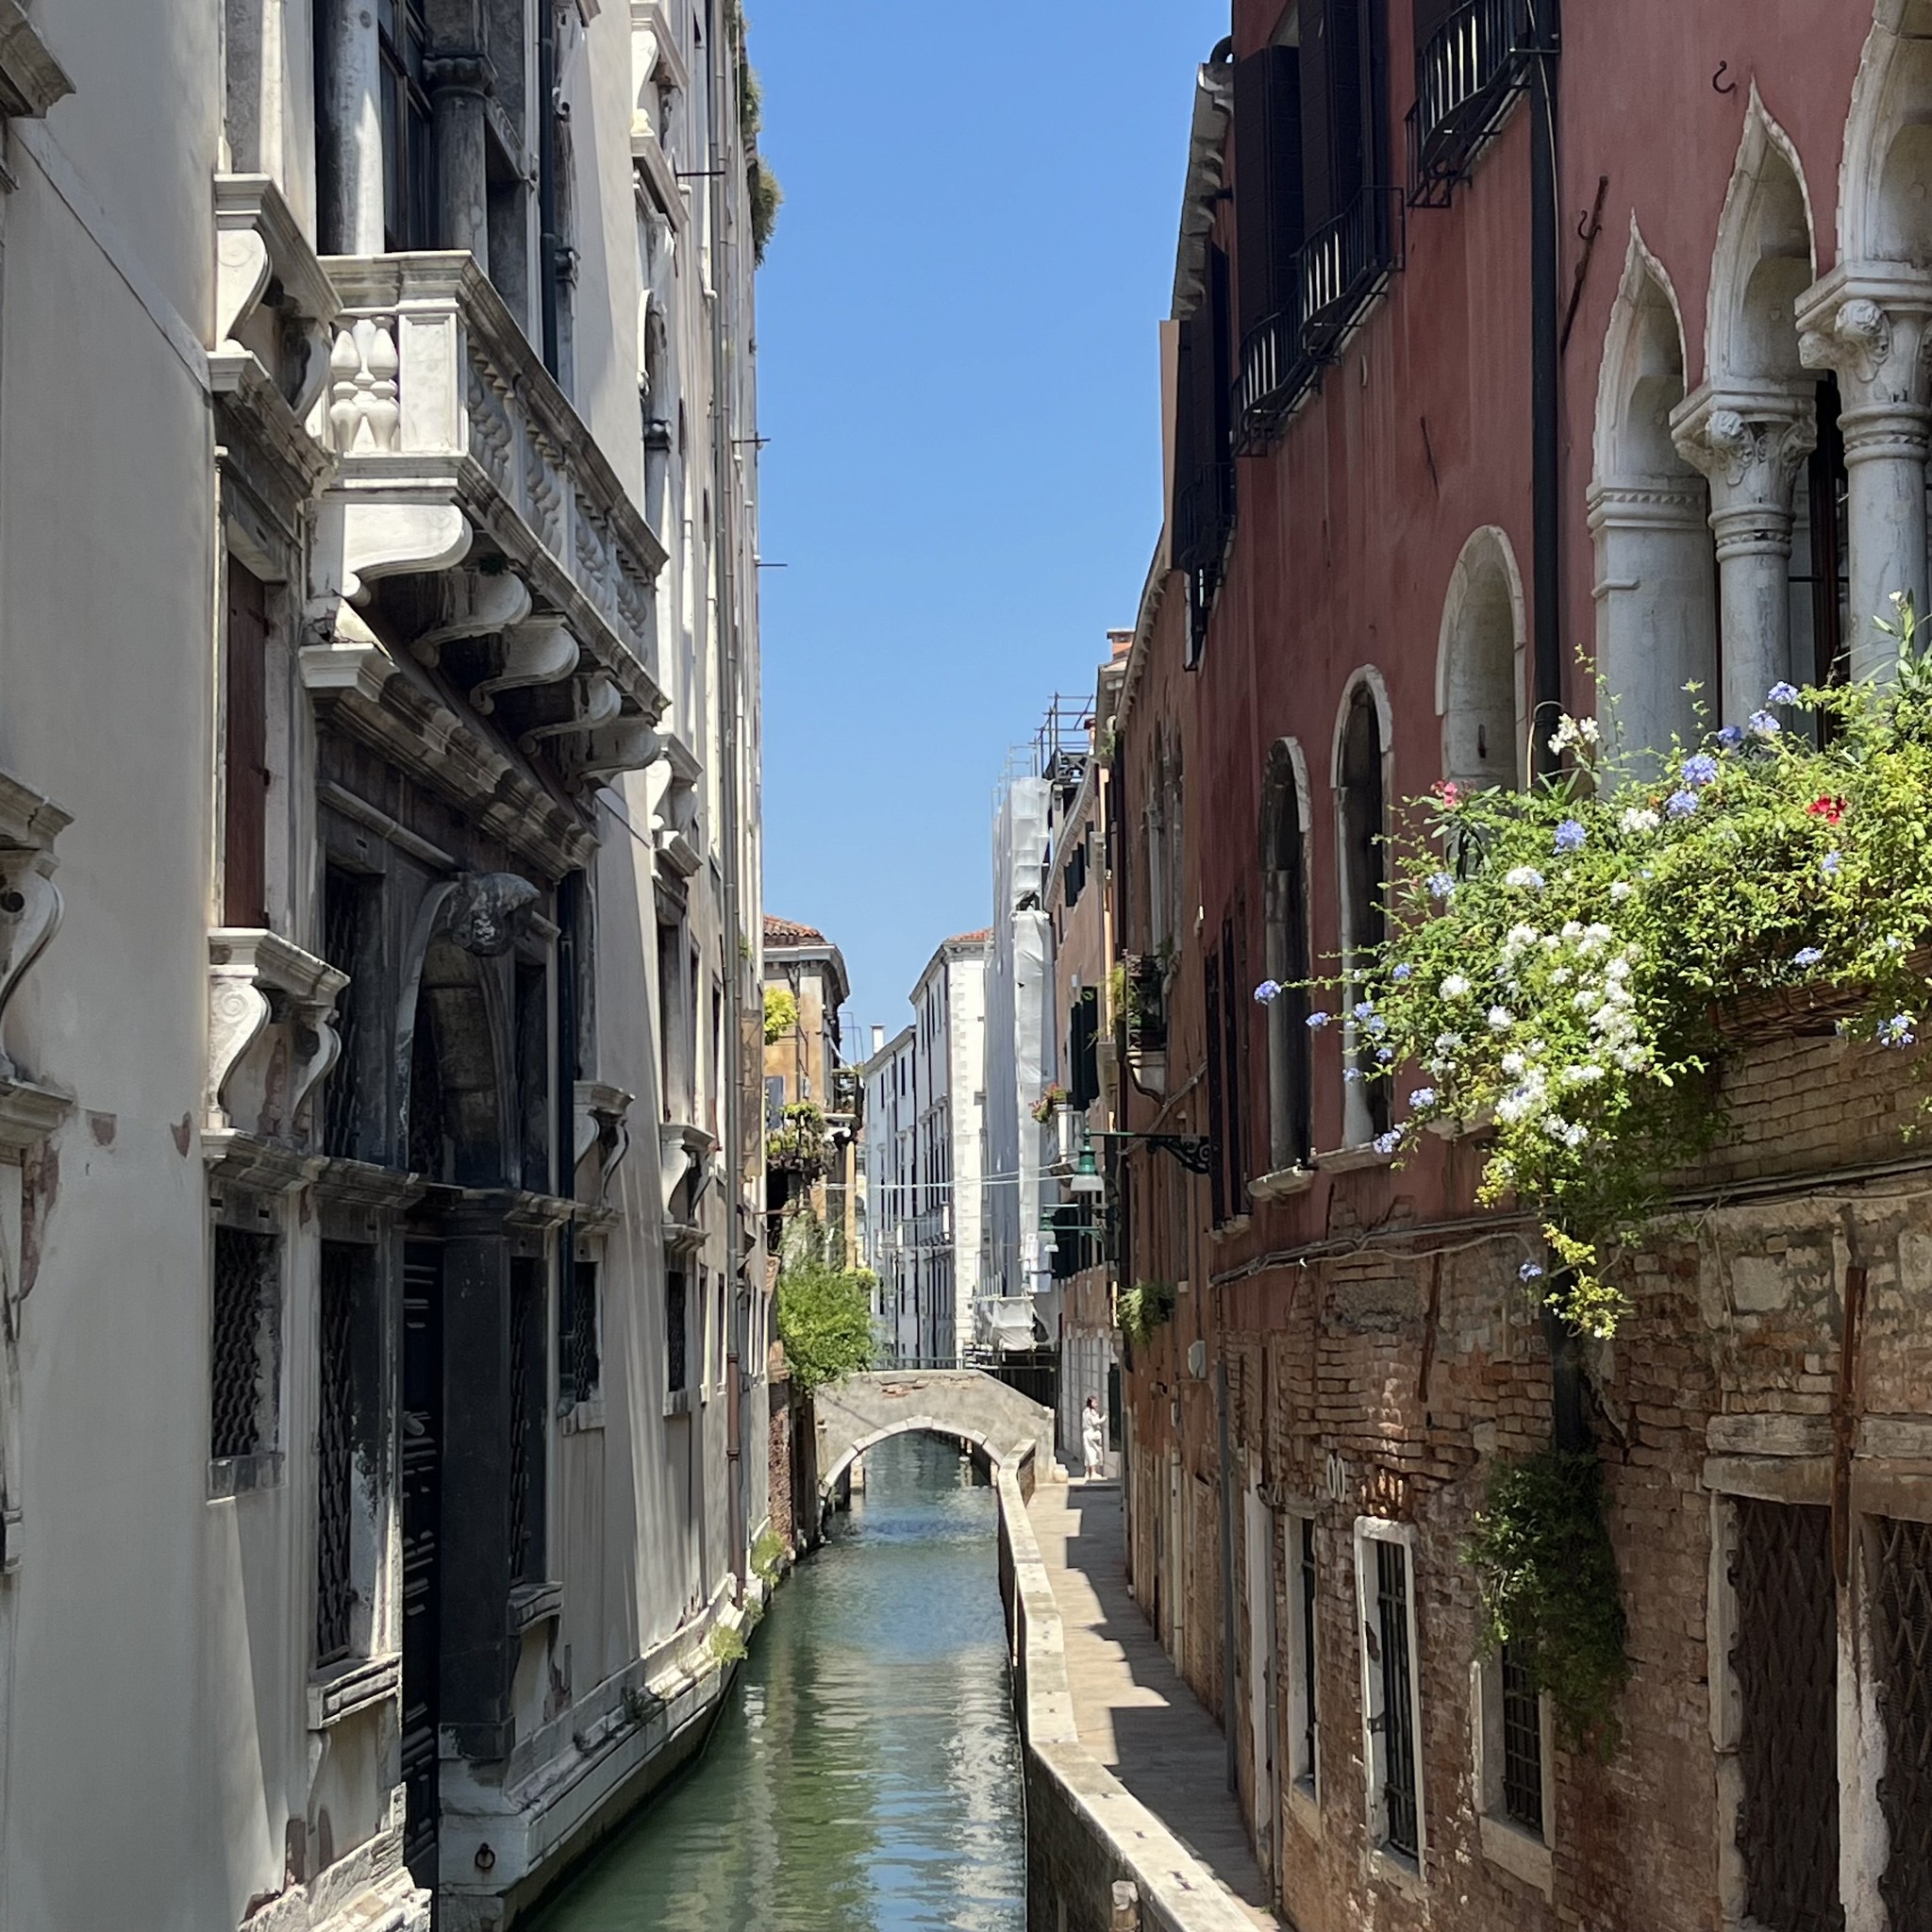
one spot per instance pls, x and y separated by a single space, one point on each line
1389 1382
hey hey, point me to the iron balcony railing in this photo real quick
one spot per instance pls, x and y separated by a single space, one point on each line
1339 271
1473 66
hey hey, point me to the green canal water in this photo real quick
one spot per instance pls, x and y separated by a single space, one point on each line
865 1775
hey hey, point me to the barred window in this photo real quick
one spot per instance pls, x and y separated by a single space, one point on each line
1385 1588
1523 1742
245 1345
345 1310
676 1324
580 1366
347 898
1785 1658
1903 1589
1302 1695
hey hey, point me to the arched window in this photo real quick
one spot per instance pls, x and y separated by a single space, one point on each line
1480 666
1649 513
1752 425
1362 791
1285 887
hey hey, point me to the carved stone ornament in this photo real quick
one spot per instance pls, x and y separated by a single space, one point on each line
31 80
257 980
600 1117
476 604
484 912
1750 446
274 303
541 651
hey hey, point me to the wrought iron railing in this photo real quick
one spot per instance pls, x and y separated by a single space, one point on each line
1275 375
1474 64
1344 265
1203 516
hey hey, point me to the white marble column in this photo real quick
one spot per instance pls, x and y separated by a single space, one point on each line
349 140
1656 630
1869 321
1749 446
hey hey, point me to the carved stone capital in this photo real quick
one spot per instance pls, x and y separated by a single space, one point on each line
1869 321
1750 445
460 72
485 912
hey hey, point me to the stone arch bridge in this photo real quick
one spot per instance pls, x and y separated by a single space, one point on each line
968 1405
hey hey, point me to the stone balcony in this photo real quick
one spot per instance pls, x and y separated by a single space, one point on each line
455 447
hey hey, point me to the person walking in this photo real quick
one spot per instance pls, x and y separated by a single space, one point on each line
1091 1441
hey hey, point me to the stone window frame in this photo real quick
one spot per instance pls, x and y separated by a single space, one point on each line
1519 1851
1302 1784
1384 1862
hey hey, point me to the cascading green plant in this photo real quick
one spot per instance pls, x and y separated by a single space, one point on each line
1561 960
1140 1309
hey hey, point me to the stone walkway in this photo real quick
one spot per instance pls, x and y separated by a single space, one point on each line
1135 1714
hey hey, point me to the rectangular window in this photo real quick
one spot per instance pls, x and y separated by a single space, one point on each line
1523 1742
533 1073
1302 1701
580 1366
347 901
344 1309
528 1376
245 1345
408 145
675 1325
1391 1743
245 759
1783 1656
1903 1633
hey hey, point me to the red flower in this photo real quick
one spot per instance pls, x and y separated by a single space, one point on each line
1448 791
1829 810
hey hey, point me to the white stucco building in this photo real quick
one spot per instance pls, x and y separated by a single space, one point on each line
924 1129
379 1141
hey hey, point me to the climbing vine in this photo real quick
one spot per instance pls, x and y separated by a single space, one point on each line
1564 962
1543 1562
1140 1309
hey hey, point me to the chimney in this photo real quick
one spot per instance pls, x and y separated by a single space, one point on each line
878 1040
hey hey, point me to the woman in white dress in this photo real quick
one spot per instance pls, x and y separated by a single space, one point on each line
1093 1440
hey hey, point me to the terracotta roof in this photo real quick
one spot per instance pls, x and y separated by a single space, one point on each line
970 939
788 932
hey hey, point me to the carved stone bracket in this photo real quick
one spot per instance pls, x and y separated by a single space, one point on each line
600 1117
274 303
682 1151
476 604
29 917
539 651
675 828
594 701
31 80
257 981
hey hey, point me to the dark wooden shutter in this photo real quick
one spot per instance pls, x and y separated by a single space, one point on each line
1349 104
245 843
1220 311
1317 166
1254 186
1429 16
1234 1070
1287 224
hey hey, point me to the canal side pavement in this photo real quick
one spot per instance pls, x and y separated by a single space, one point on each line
1135 1713
1100 1857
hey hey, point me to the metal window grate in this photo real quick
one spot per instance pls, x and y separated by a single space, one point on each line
1523 1743
344 898
1308 1523
1785 1658
246 1344
676 1366
586 1367
426 1108
1902 1588
335 1580
1398 1698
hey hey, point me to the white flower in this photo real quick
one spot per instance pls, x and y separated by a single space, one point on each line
1585 998
1524 877
1576 1134
1515 1065
1585 730
1501 1019
1448 1042
1561 976
1573 930
1629 1057
1556 1127
1622 890
1585 1074
1618 968
1454 987
1640 819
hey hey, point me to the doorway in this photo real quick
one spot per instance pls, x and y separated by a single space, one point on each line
1261 1702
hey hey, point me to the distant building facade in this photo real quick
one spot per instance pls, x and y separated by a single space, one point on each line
812 1153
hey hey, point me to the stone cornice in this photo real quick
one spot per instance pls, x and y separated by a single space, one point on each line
31 80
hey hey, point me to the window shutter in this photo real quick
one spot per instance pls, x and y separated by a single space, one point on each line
1288 230
1349 100
1318 173
1216 1179
244 845
1429 16
1254 190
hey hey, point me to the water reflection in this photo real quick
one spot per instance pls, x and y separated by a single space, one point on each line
867 1774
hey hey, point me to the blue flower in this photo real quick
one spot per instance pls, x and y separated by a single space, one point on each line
1681 805
1317 1020
1351 1074
1364 1008
1441 885
1700 769
1530 1270
1267 992
1385 1053
1807 955
1764 726
1730 737
1782 693
1896 1031
1570 837
1401 972
1377 1026
1389 1143
1829 864
1423 1096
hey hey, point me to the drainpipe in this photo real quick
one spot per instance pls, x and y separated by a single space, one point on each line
1545 393
724 531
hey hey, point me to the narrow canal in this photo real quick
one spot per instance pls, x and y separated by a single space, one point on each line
865 1776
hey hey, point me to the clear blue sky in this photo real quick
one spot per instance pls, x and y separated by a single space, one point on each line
957 369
